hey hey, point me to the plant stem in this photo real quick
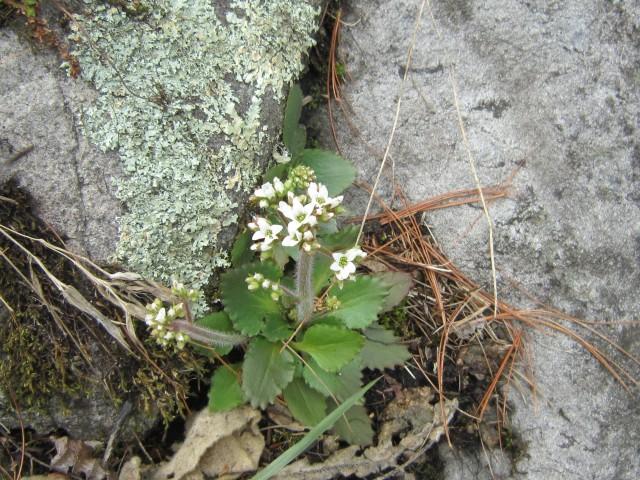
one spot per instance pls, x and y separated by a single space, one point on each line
206 335
304 286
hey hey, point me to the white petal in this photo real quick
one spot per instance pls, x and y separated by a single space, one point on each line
278 185
263 223
342 275
293 227
259 235
286 210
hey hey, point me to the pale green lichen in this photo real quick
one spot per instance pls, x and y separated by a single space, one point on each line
168 104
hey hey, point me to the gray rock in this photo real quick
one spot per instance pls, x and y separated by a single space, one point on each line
71 181
549 95
180 143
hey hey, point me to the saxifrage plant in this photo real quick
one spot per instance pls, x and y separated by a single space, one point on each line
294 301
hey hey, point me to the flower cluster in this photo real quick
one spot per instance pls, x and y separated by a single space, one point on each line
159 319
258 280
344 263
301 213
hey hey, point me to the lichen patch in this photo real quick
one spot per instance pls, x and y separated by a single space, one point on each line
168 104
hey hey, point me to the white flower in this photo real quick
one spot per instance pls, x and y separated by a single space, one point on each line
264 231
298 213
265 191
319 195
343 262
161 317
293 238
278 186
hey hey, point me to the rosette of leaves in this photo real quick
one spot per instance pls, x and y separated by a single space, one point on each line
312 363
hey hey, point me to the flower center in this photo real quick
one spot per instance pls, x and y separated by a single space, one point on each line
343 262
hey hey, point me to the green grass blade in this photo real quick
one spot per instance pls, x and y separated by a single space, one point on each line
287 457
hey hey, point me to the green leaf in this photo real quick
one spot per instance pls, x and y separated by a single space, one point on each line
276 329
355 426
332 170
282 254
306 404
220 322
290 454
331 347
399 284
328 228
266 371
294 135
361 300
322 272
341 240
381 349
241 252
279 171
225 392
248 309
339 385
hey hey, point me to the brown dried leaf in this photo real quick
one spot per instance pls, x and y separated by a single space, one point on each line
217 444
76 456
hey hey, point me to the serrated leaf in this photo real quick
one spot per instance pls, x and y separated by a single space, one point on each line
306 404
354 426
220 322
294 135
332 170
249 309
225 392
322 272
399 284
381 349
266 371
241 252
341 240
361 301
276 329
339 385
331 347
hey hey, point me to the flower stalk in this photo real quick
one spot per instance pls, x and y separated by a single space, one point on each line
304 286
207 336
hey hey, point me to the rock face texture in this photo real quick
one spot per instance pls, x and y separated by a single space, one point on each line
69 178
150 155
549 95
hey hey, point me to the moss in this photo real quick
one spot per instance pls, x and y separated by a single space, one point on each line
169 83
397 321
33 367
51 354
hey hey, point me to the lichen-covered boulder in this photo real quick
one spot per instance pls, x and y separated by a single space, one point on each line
549 95
149 156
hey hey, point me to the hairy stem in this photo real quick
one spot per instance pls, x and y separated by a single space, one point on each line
304 286
208 336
